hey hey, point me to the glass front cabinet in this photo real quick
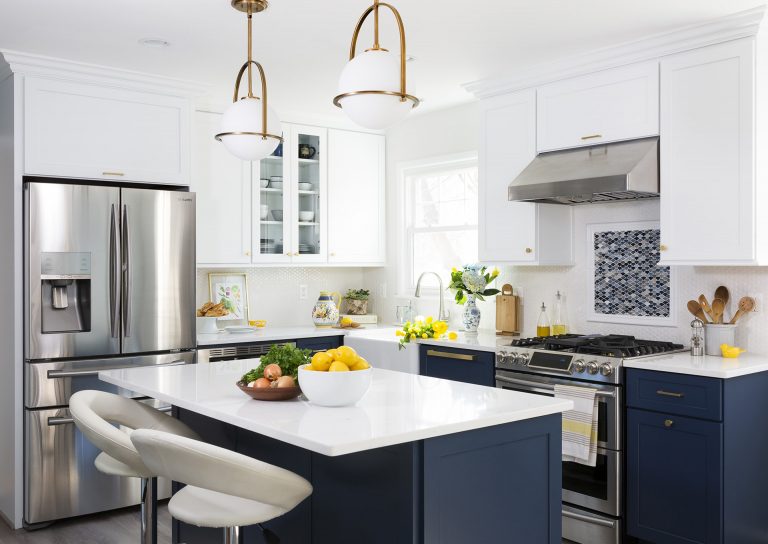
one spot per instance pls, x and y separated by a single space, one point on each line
290 205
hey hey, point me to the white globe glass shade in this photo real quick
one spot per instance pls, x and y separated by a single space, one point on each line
373 71
245 116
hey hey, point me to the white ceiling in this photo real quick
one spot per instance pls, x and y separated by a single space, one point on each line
303 44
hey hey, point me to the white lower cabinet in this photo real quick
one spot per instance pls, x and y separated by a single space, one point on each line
81 130
516 232
356 198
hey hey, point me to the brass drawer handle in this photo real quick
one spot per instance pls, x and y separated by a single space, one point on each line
662 247
449 355
112 174
591 136
528 250
670 394
668 423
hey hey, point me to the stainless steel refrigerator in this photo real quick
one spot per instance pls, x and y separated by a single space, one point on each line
109 283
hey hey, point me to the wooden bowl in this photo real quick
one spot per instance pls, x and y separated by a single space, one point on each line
270 393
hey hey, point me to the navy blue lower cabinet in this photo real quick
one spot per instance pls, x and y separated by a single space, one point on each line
319 344
460 365
674 478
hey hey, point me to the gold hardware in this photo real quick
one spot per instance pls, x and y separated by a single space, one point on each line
254 6
112 174
376 47
288 254
668 423
449 355
591 136
333 254
662 247
528 250
247 253
670 394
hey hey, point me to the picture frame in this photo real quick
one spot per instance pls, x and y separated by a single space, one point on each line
232 289
643 252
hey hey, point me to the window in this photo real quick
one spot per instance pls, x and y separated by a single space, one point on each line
440 217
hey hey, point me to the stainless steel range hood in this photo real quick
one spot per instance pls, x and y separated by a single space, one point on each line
602 173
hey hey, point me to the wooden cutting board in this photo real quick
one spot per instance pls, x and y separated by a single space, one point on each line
506 311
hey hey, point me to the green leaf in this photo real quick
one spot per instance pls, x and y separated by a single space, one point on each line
459 296
479 296
490 292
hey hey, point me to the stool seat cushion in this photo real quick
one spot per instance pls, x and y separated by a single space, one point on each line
109 465
206 508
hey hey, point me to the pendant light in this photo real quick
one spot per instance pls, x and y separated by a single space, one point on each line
250 129
372 88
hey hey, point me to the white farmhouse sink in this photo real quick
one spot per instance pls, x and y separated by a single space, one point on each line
380 347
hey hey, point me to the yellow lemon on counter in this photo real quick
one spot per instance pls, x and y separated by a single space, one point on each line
361 364
338 366
321 361
346 320
346 355
331 353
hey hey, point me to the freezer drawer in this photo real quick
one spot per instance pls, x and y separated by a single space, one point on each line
61 480
51 384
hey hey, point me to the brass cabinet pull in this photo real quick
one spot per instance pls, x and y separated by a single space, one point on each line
668 423
528 250
247 253
449 355
591 136
662 247
670 394
112 174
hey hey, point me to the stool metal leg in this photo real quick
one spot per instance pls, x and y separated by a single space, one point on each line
232 535
149 511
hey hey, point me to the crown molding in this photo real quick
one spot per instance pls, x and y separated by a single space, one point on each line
18 62
738 25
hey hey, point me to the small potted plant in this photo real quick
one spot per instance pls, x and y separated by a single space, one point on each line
357 301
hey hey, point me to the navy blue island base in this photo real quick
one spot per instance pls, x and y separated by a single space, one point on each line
499 484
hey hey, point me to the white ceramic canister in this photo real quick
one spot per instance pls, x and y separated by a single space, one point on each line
714 335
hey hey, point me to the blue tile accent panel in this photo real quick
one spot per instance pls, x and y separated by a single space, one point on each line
627 280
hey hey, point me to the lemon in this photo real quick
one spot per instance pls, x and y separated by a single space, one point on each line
332 354
346 320
361 364
338 366
346 355
321 361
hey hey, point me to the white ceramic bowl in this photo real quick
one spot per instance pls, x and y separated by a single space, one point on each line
334 388
305 186
277 215
276 184
264 182
207 325
306 216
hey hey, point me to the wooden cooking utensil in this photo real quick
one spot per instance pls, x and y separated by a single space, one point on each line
723 294
718 307
746 304
704 303
695 308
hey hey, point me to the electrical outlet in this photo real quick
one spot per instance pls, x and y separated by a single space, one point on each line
383 290
303 291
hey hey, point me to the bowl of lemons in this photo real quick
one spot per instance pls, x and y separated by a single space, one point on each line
336 377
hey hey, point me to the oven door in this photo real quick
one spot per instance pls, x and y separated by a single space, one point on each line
599 487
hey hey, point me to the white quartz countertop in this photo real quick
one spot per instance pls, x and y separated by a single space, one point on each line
267 334
708 366
482 341
398 407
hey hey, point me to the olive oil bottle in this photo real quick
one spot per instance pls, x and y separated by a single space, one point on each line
558 316
542 327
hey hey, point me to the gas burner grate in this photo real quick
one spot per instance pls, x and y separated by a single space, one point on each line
613 345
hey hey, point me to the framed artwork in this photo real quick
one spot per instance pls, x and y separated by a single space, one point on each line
625 283
232 290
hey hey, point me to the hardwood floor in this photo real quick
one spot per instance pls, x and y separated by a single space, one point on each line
116 527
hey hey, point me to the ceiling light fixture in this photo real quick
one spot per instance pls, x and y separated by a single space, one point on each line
370 92
249 127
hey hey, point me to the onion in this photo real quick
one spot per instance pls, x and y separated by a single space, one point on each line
272 372
262 383
273 384
252 384
286 381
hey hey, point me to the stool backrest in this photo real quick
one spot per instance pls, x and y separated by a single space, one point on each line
210 467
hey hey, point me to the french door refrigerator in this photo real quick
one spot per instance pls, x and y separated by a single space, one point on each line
109 283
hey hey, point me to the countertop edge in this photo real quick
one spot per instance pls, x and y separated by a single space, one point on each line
723 374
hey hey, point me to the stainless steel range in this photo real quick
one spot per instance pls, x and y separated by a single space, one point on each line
593 497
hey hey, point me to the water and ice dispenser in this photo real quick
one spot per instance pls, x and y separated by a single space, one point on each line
66 292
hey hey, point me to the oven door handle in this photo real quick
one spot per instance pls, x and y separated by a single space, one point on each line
538 387
95 372
589 519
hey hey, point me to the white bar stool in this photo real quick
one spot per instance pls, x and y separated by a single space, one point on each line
224 489
94 413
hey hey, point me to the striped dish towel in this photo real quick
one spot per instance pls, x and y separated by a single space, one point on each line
579 424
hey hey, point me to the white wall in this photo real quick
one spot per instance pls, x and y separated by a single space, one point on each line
274 292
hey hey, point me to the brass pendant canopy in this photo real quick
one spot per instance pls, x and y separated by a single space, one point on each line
403 94
250 6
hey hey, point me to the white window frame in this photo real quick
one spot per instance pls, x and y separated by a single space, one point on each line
405 240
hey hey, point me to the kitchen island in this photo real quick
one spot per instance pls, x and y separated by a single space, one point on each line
418 459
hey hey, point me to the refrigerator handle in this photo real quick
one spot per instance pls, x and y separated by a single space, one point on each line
126 274
114 267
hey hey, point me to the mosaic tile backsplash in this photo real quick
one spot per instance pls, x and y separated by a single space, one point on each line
627 280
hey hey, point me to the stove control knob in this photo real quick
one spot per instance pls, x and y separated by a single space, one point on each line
522 359
502 357
579 366
606 369
592 367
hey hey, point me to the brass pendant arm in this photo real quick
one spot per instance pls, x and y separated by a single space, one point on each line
375 9
263 77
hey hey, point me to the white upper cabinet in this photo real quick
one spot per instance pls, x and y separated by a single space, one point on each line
89 131
223 186
516 232
709 190
612 105
356 198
